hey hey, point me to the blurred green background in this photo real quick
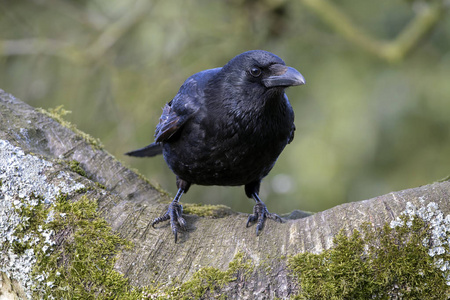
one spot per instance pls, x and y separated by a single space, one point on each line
374 116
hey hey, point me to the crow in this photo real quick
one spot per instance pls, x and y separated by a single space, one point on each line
227 126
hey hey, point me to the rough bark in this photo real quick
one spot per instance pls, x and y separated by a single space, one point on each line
130 203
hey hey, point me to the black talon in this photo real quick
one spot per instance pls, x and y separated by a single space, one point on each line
260 213
251 219
175 233
174 214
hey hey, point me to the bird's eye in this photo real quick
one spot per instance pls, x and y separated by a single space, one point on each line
255 72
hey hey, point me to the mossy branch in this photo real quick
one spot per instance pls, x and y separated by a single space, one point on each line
217 255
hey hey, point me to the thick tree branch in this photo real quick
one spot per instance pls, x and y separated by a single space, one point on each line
129 204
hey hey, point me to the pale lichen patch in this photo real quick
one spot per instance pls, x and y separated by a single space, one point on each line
438 239
23 177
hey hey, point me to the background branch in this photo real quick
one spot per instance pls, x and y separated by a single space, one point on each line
427 16
114 31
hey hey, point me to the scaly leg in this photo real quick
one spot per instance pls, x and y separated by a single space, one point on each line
260 213
174 213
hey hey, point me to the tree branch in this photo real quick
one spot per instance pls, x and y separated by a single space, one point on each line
428 15
116 30
129 204
110 35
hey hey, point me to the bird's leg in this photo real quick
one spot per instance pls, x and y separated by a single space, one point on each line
260 213
174 213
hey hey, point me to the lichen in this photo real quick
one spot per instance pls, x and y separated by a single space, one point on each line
405 259
53 247
206 210
55 244
75 250
23 177
58 114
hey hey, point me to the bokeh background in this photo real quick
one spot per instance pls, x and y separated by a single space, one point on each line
374 116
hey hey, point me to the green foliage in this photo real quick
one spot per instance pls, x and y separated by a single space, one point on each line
380 263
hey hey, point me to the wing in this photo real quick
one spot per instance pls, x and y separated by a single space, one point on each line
177 112
169 123
184 106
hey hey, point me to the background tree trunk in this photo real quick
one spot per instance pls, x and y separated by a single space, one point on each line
129 203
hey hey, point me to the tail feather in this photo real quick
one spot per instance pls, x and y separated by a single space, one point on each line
148 151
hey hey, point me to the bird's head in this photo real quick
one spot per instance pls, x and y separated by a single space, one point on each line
259 71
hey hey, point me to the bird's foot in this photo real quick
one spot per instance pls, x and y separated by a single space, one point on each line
174 213
260 213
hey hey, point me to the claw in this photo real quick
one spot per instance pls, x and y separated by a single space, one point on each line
174 214
260 213
274 217
182 223
175 233
260 226
251 219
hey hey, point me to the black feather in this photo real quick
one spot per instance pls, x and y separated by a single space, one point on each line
148 151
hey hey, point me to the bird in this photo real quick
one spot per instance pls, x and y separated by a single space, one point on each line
226 126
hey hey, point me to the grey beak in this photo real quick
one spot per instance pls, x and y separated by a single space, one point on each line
285 77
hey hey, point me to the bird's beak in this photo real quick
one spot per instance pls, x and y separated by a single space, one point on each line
284 76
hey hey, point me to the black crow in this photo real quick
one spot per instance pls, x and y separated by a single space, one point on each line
227 126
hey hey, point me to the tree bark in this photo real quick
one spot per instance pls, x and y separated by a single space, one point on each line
130 203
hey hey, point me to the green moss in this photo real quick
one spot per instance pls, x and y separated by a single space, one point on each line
58 114
206 283
383 263
100 185
206 210
241 266
76 249
77 262
209 280
75 167
83 190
